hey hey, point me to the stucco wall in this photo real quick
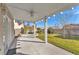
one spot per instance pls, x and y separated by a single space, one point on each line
7 39
1 35
8 26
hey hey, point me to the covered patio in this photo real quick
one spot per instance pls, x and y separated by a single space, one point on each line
31 12
34 46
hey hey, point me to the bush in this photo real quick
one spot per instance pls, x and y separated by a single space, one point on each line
50 30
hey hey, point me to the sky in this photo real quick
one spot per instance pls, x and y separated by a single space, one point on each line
68 17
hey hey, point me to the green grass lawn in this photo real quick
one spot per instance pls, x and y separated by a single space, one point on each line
71 45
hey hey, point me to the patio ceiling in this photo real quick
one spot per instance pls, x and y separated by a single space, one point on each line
36 11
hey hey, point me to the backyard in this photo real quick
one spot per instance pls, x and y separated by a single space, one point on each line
69 44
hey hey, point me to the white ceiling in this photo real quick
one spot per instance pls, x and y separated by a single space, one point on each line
21 10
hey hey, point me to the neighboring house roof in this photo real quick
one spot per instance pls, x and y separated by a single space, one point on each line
72 26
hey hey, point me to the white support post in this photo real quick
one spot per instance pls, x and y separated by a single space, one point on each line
46 36
34 30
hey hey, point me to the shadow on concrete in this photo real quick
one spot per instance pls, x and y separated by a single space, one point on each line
30 41
12 51
18 44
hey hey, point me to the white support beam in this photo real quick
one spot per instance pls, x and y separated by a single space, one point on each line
34 30
46 34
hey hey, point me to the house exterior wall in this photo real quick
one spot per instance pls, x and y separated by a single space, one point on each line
1 35
17 32
7 39
72 30
17 28
11 41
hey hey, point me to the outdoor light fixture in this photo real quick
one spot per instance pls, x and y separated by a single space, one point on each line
49 17
72 8
54 15
61 12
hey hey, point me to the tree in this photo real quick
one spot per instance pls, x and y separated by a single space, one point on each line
50 30
39 30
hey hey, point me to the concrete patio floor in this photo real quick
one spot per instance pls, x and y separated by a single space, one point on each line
28 45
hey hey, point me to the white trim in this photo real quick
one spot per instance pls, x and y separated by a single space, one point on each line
46 34
34 30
